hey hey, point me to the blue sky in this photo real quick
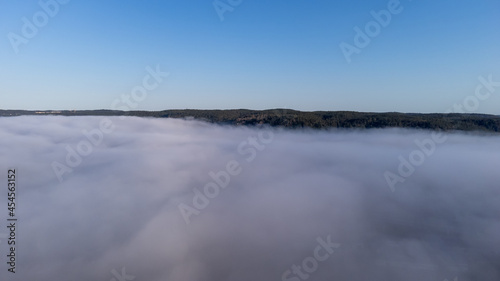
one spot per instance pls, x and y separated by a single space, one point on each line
261 54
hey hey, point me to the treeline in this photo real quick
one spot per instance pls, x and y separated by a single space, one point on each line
299 119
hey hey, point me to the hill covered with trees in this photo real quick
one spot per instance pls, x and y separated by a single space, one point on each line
304 119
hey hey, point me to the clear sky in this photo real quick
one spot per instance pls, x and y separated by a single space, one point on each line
257 54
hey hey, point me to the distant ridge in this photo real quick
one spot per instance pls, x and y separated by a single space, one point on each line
302 119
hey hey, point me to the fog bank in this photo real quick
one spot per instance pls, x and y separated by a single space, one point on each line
177 200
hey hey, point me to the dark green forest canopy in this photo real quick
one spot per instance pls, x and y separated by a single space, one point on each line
303 119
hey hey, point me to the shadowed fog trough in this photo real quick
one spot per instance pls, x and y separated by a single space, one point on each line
122 207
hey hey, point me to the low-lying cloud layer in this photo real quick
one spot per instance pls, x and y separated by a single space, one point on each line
176 200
